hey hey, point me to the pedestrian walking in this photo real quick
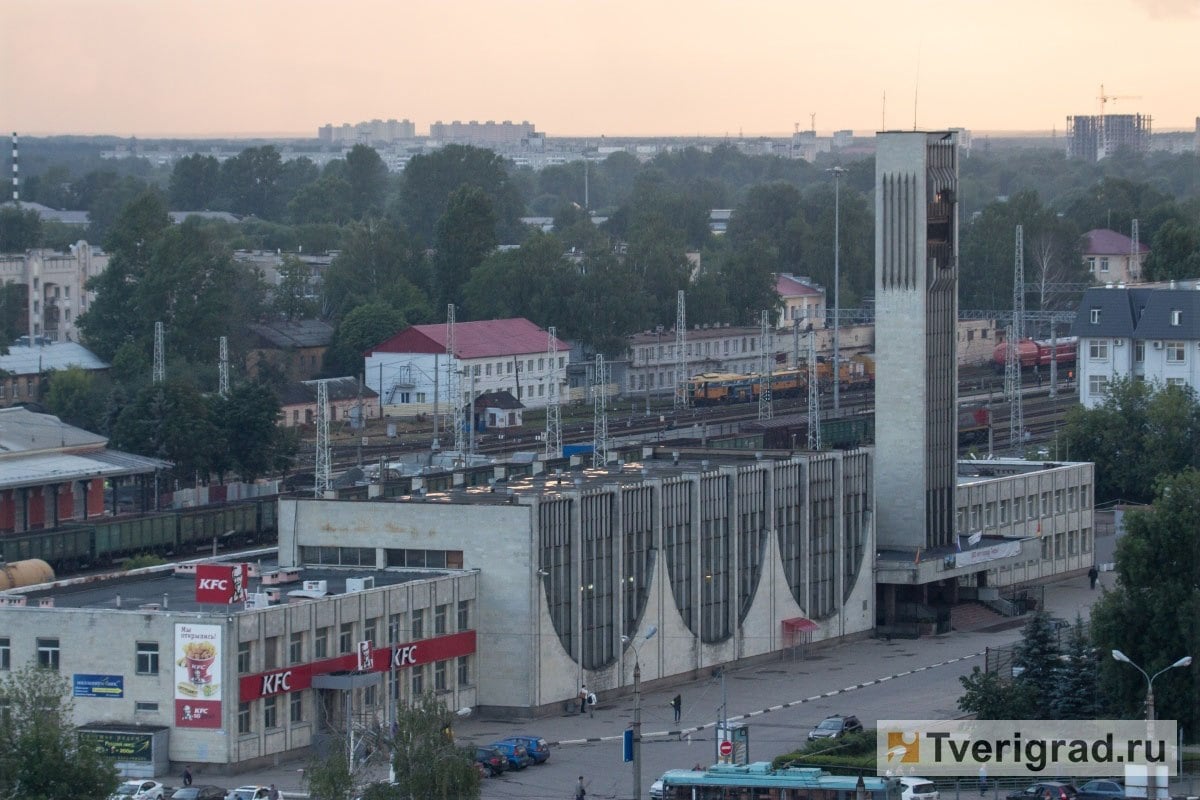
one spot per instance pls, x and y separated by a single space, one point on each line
187 776
677 705
1093 575
982 781
580 789
273 794
583 698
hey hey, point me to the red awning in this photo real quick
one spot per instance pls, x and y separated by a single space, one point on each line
802 624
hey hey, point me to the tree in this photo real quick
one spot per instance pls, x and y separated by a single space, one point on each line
988 695
19 230
367 176
363 327
77 397
195 183
1077 692
377 264
41 755
430 179
171 421
13 305
465 235
327 200
1152 615
330 778
1175 252
251 181
426 761
530 281
290 300
249 419
1037 658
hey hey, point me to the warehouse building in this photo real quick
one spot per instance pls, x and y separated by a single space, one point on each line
730 558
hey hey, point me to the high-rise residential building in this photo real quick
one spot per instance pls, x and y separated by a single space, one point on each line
916 311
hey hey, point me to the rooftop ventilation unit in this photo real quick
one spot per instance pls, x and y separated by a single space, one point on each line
359 584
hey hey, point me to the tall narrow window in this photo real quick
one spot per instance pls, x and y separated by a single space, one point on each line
48 653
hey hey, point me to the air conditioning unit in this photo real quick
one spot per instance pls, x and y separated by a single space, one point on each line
1118 342
1157 344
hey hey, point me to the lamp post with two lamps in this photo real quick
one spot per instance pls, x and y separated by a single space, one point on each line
637 707
1151 790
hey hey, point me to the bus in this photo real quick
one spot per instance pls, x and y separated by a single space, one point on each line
757 781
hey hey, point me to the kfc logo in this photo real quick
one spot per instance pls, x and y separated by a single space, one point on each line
274 684
221 583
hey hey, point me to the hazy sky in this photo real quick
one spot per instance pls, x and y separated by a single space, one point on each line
590 67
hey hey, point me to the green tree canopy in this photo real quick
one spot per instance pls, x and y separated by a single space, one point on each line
367 325
1175 252
19 230
249 420
171 421
530 281
251 181
431 179
195 183
426 760
377 264
78 397
41 755
367 176
465 235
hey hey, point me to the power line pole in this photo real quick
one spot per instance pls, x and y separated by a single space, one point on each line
600 414
454 399
553 412
159 372
1016 331
814 395
321 471
681 398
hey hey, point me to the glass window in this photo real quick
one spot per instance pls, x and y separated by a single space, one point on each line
464 615
1098 349
1176 317
418 624
1139 351
296 707
346 637
5 654
147 658
271 653
394 629
1004 504
321 643
243 664
989 512
1098 384
296 648
439 619
270 716
48 653
145 708
464 671
370 628
1018 508
369 696
1176 353
439 676
243 718
1058 501
418 680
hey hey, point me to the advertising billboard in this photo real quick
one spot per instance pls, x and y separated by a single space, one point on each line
198 676
97 685
222 583
122 746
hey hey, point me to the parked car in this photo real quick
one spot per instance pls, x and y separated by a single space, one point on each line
204 792
492 760
918 789
835 727
538 747
138 790
1101 789
516 753
250 793
1046 790
656 790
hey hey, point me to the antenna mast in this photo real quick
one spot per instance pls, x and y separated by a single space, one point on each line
453 392
553 413
1016 331
321 471
600 414
1135 255
159 373
814 395
223 370
681 376
766 354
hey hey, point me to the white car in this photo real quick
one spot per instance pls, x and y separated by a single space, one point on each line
250 793
656 790
918 789
138 790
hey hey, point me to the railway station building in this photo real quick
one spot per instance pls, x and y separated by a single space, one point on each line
729 556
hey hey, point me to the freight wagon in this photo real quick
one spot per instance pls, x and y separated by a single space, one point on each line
1038 353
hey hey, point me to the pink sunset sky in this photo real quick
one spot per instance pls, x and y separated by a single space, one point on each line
591 67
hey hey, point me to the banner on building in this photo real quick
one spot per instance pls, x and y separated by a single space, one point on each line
222 584
98 686
198 676
121 746
980 555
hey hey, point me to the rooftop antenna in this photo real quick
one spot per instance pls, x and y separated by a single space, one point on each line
766 354
223 369
600 414
883 114
159 370
812 121
1015 332
681 397
553 413
321 468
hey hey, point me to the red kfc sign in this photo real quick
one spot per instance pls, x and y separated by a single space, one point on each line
221 583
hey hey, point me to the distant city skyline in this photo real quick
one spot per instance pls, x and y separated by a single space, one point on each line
591 68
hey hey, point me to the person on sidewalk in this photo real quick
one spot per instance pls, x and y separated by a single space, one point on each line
187 776
583 698
580 789
982 781
1093 575
677 705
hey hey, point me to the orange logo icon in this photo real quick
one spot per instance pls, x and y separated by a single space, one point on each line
903 747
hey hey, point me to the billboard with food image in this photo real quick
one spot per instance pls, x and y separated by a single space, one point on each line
198 676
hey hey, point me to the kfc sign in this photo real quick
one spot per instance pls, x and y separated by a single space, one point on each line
221 583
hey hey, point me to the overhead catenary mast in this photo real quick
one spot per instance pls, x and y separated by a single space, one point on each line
454 398
159 370
553 412
1015 332
600 414
1135 255
322 481
814 395
766 354
223 369
681 376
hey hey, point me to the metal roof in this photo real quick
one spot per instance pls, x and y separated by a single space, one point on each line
301 333
482 339
1139 312
1105 242
41 468
26 360
791 286
300 393
23 431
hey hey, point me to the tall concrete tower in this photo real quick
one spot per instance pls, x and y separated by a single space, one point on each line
916 314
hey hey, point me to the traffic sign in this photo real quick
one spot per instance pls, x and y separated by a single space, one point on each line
725 748
627 745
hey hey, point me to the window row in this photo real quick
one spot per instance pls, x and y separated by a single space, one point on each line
49 655
722 347
393 557
506 367
979 516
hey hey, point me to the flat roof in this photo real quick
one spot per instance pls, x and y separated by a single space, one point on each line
150 587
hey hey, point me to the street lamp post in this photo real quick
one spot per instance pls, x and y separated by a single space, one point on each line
637 708
1151 789
837 308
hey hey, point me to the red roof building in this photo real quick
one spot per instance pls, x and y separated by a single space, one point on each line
802 299
1110 256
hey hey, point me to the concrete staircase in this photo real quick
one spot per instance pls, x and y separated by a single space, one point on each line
973 616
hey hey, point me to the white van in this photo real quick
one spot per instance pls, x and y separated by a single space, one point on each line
918 789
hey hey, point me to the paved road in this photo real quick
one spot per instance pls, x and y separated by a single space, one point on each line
872 678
